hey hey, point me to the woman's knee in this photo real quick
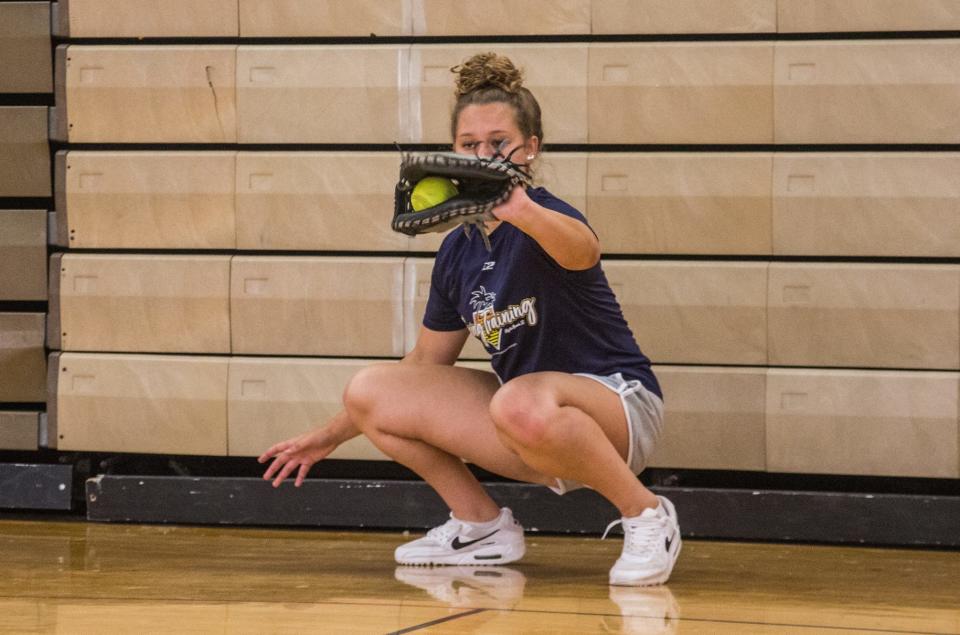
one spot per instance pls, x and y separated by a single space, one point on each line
521 411
365 392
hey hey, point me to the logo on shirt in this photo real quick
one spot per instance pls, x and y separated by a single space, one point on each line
489 324
488 266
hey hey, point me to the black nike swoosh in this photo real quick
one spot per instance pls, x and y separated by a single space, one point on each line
456 544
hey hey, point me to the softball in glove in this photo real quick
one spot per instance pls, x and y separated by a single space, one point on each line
480 185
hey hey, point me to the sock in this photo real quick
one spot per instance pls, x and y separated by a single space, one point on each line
659 510
478 527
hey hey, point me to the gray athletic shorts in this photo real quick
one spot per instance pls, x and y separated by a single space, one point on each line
644 411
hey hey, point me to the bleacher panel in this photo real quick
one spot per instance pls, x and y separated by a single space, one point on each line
163 404
320 94
500 17
24 153
144 303
868 91
627 17
146 18
23 255
691 92
25 47
880 204
317 306
386 18
865 315
146 200
681 203
23 363
833 204
867 15
147 94
723 409
270 399
694 312
324 18
19 430
880 423
317 201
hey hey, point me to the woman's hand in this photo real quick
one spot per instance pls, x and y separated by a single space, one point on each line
299 453
515 207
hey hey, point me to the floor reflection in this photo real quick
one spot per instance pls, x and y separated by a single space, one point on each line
646 610
467 586
634 610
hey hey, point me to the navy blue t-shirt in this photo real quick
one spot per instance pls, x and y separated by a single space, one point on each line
530 313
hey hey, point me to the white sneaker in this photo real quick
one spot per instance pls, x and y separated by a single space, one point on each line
457 542
468 586
651 544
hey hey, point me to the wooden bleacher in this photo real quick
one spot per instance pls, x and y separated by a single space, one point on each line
777 198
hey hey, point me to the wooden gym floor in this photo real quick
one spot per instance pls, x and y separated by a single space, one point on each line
73 577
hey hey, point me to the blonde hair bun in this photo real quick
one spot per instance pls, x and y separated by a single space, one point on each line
487 70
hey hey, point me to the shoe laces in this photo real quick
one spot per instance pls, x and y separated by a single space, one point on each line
445 532
639 534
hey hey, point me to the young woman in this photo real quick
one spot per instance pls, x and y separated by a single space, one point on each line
573 402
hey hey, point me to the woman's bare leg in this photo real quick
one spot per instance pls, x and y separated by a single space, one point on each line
574 428
428 418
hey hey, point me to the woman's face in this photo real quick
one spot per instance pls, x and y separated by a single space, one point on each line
485 130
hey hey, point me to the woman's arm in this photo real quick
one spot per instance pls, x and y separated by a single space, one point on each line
567 240
436 347
301 452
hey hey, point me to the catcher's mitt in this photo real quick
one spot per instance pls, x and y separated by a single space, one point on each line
482 184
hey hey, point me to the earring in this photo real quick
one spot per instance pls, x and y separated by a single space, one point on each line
530 157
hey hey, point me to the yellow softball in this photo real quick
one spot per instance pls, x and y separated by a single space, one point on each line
431 191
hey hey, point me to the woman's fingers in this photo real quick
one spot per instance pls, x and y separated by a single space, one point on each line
274 467
285 472
287 456
302 474
273 451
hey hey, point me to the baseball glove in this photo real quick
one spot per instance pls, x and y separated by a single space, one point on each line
481 184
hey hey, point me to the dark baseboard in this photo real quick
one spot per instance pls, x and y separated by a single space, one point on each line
35 486
742 514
